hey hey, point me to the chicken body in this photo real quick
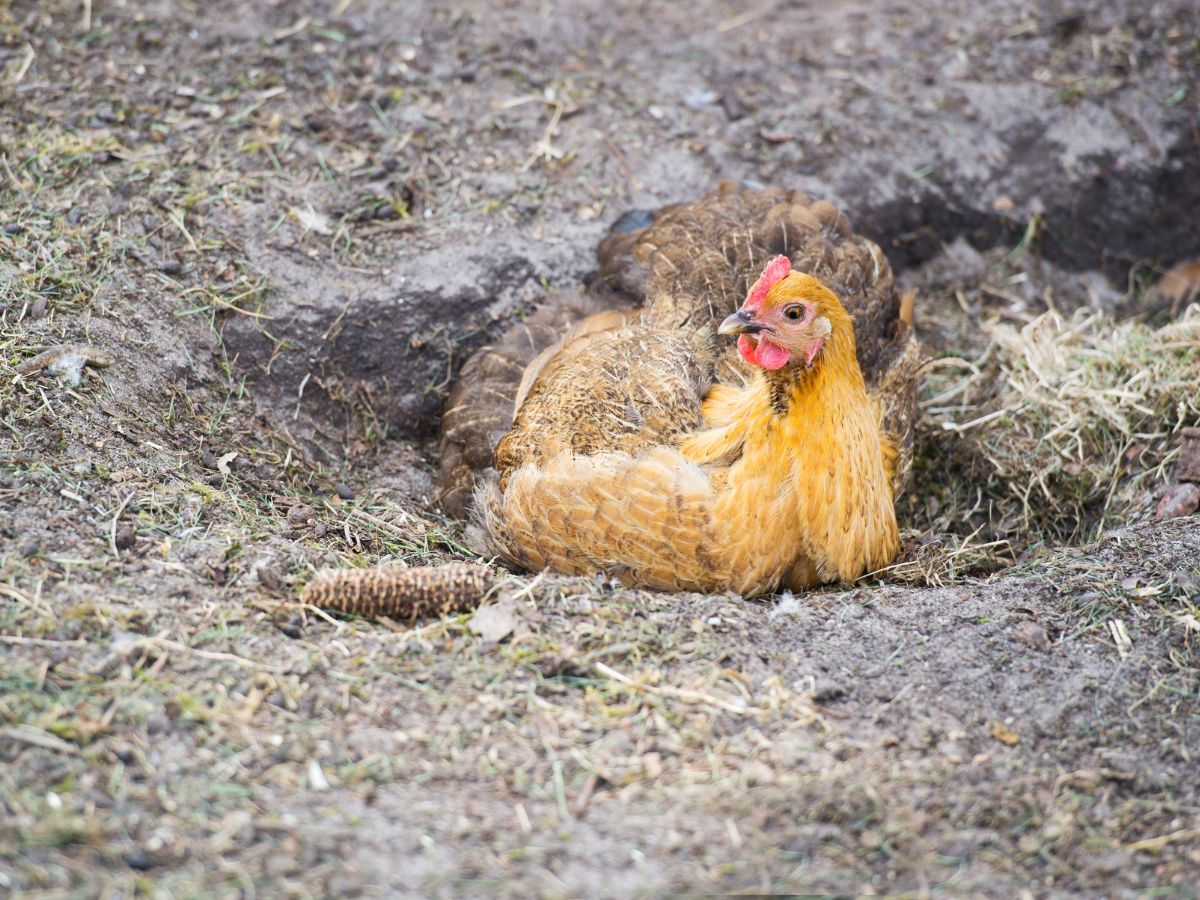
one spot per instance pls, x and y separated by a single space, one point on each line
644 445
684 271
785 483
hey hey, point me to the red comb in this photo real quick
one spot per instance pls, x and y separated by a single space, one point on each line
776 270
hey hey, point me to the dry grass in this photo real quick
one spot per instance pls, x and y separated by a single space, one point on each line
1057 429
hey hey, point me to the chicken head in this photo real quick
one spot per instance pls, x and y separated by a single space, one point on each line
787 318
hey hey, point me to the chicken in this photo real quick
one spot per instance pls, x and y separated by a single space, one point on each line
691 264
784 482
651 403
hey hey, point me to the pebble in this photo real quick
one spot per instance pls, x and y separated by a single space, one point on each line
827 691
300 514
139 860
1188 466
1032 635
1178 500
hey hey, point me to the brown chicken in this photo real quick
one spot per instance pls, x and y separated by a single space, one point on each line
644 445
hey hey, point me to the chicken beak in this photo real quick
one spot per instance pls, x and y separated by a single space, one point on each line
740 323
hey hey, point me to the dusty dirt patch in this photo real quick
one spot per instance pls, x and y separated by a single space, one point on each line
288 224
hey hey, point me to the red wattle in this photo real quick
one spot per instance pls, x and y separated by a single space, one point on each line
763 353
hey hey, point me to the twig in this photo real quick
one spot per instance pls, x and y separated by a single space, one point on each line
367 519
751 15
528 589
233 307
19 75
43 609
91 357
40 642
1155 844
678 693
28 734
112 527
982 420
216 655
20 188
161 643
295 28
544 148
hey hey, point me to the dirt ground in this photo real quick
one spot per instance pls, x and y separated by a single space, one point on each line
281 227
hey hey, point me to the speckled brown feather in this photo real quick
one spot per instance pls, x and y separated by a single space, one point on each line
400 593
643 386
480 408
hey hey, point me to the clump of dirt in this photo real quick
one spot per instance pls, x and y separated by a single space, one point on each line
288 224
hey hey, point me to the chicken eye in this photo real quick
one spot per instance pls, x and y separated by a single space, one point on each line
794 312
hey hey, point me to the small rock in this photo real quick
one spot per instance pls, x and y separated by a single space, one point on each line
953 751
218 572
1003 733
732 104
1031 634
776 137
826 691
1188 467
316 777
1108 862
496 621
1178 500
269 576
698 98
139 860
290 627
300 514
